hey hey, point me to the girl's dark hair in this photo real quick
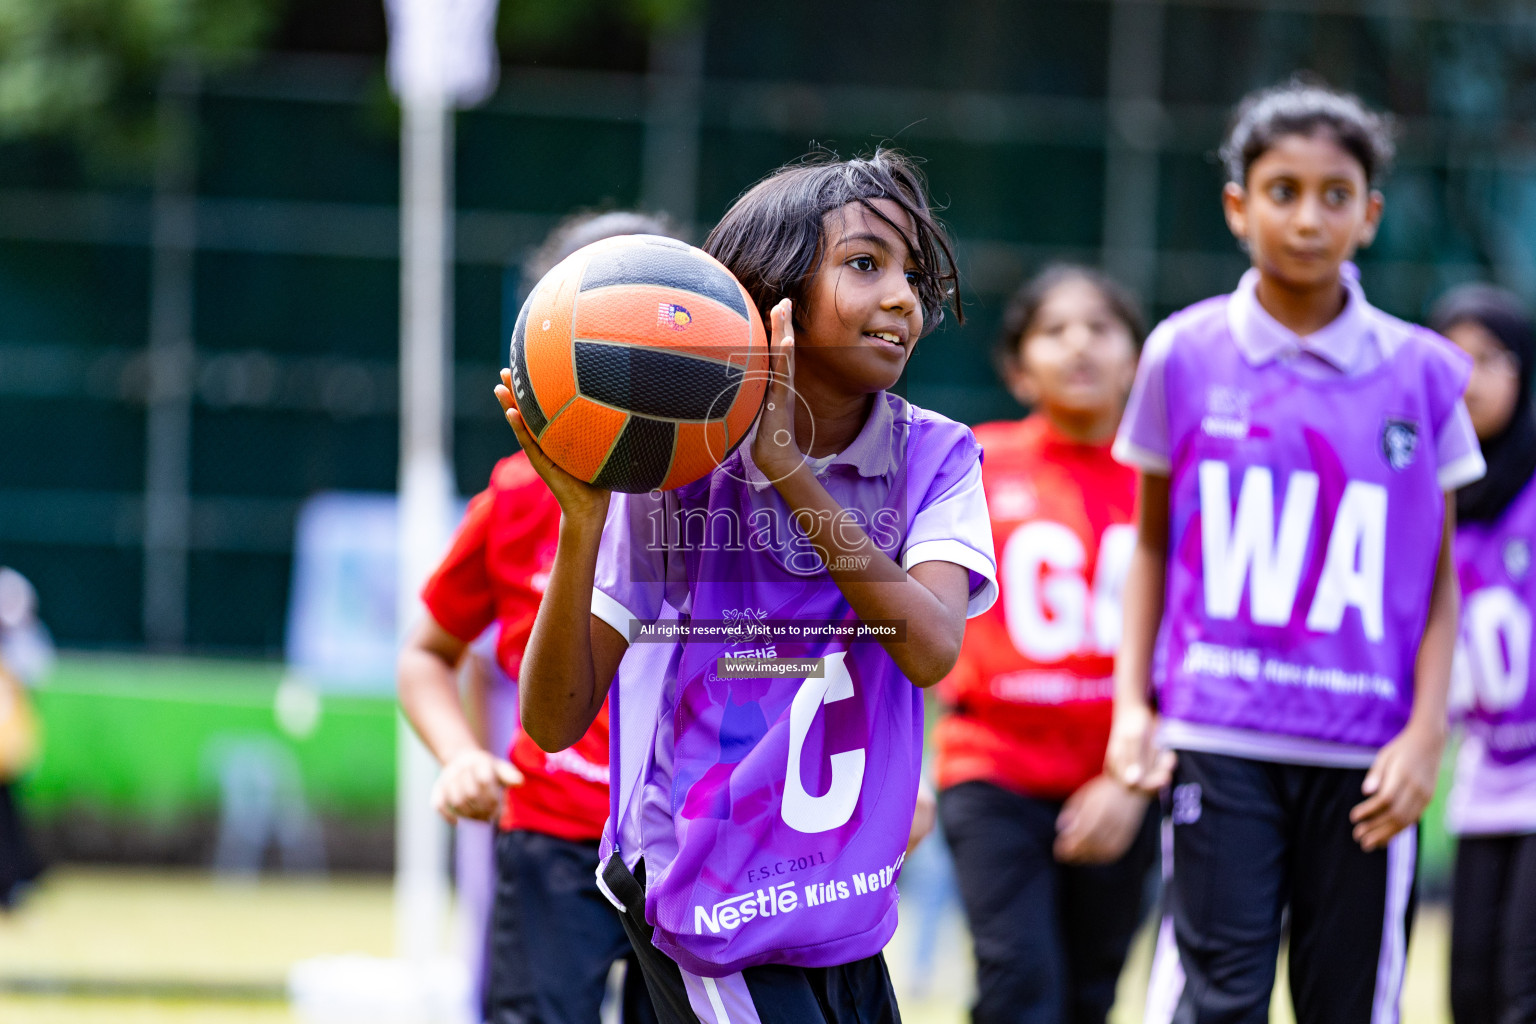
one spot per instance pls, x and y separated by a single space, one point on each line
1511 456
773 235
1305 105
1024 306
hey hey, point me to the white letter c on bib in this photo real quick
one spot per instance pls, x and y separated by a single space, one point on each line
803 812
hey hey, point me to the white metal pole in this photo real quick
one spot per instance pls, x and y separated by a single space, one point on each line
168 422
426 487
669 170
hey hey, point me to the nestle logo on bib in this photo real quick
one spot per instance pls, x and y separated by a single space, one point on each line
1226 412
738 910
1399 442
733 913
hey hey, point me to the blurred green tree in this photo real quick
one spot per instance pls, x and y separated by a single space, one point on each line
91 69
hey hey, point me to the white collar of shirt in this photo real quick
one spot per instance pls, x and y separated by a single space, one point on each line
1342 343
872 453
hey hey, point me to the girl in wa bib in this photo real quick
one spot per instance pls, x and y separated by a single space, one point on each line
1290 609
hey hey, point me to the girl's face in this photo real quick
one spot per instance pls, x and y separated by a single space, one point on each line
1305 209
861 317
1494 387
1078 359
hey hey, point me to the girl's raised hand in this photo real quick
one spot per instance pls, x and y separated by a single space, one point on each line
774 449
576 497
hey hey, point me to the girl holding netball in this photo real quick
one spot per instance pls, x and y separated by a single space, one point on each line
1293 570
1051 854
756 857
1493 802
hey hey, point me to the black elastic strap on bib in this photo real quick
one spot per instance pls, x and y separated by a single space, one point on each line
663 978
626 888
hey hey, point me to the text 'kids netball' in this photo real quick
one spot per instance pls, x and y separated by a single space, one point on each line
1051 854
1293 569
1492 805
760 823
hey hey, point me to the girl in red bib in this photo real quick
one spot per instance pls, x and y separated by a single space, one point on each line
1051 854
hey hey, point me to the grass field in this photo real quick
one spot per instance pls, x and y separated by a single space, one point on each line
130 946
123 945
126 945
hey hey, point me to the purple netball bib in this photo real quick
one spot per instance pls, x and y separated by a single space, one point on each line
1305 523
788 800
792 801
1498 591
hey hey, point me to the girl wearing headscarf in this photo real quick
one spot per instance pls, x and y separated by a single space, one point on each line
1493 802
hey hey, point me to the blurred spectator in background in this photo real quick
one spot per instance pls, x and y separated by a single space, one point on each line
26 654
1493 802
552 937
1051 854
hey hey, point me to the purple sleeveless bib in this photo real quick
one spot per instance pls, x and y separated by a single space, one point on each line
791 799
1498 593
1305 520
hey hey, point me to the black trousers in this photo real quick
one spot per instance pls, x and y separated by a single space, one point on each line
1249 840
1493 931
19 866
1049 938
554 936
855 993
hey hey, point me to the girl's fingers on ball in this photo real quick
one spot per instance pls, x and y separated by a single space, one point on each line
783 362
780 315
504 397
783 340
541 462
515 421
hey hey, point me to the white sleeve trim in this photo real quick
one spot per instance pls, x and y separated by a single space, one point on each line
613 613
965 557
1128 453
1463 471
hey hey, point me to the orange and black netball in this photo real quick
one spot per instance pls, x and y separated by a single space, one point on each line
639 363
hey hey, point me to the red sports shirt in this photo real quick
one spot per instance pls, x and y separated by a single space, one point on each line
496 571
1032 692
